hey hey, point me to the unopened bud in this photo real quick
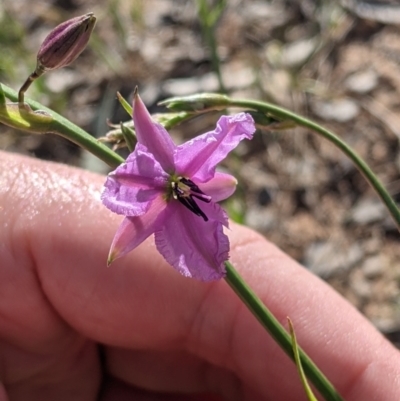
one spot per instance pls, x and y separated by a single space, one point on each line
65 43
270 123
197 103
61 47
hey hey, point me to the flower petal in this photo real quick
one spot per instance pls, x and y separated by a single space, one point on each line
198 157
130 188
153 135
194 247
220 187
134 230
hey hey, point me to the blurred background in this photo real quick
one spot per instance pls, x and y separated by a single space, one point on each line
336 62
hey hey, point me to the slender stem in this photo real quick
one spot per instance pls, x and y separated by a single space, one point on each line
208 26
210 38
25 86
278 333
61 126
39 71
282 113
85 140
65 128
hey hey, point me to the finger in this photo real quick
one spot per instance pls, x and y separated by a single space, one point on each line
142 303
39 352
171 371
117 390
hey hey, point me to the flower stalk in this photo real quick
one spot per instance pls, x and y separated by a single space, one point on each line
278 332
61 126
209 15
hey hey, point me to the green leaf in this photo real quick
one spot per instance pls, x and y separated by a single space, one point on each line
129 136
297 360
127 107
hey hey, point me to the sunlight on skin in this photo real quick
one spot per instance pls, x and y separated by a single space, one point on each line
161 331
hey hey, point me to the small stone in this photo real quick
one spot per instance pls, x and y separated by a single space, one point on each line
368 211
59 81
151 49
237 76
383 316
372 246
187 86
260 218
150 93
328 258
359 284
374 266
296 53
277 84
362 81
341 110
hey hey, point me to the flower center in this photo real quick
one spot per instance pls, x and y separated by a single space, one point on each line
185 190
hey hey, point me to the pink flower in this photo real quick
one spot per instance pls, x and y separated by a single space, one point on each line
171 191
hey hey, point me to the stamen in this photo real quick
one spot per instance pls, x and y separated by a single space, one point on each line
195 190
202 197
193 207
184 190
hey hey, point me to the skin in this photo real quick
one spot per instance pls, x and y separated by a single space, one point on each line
73 329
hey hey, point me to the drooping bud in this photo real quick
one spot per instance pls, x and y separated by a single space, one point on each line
65 43
61 47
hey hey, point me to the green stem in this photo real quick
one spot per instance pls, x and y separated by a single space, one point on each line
278 333
215 61
208 29
26 85
282 113
61 126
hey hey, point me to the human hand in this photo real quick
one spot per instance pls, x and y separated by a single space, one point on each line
73 329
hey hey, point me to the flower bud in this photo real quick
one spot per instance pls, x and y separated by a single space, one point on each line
65 43
197 103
